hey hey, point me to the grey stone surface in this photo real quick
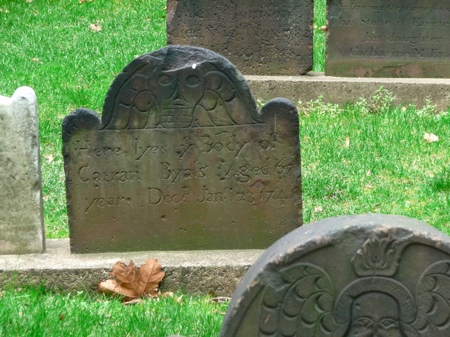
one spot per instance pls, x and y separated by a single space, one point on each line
217 272
397 38
182 159
264 37
360 275
21 214
342 90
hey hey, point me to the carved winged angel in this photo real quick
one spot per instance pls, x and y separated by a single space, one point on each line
303 302
178 87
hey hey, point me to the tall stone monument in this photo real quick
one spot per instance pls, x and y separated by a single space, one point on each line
377 38
21 214
263 37
363 275
181 159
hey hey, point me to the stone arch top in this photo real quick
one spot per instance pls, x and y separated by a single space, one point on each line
178 87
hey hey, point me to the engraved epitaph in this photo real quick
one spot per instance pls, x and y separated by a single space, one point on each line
364 276
264 37
181 159
377 38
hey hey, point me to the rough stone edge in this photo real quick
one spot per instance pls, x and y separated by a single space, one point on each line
193 272
342 90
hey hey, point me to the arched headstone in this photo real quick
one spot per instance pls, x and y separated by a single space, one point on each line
363 275
181 159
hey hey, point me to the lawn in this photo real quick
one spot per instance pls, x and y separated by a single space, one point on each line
365 157
37 313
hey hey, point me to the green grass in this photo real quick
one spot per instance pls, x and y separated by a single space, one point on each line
371 157
387 166
49 46
36 313
319 38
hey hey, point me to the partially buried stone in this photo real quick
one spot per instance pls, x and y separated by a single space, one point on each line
363 275
21 212
182 159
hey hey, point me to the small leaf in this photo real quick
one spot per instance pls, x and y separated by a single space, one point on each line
50 158
111 287
347 142
133 282
95 28
318 209
430 138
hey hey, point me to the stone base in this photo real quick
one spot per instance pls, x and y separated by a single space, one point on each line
341 90
214 272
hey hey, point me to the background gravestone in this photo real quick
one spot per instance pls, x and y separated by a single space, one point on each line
21 215
377 38
182 159
263 37
363 275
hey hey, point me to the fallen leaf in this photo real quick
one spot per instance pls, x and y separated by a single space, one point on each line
318 209
347 142
221 299
133 301
167 294
34 59
95 28
134 282
29 1
323 28
430 138
49 158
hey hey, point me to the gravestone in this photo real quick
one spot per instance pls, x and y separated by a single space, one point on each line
21 215
181 159
363 275
263 37
377 38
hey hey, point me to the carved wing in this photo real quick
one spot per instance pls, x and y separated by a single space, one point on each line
298 304
222 104
433 300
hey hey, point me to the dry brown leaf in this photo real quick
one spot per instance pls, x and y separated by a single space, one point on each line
111 287
347 142
50 158
221 299
133 301
133 282
430 138
95 28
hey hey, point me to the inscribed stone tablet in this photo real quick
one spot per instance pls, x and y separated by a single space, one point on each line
263 37
364 275
378 38
182 159
21 214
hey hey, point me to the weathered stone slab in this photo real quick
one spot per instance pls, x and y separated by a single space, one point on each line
182 159
264 37
364 275
21 214
377 38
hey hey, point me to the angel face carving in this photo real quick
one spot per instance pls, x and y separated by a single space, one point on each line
180 92
375 315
